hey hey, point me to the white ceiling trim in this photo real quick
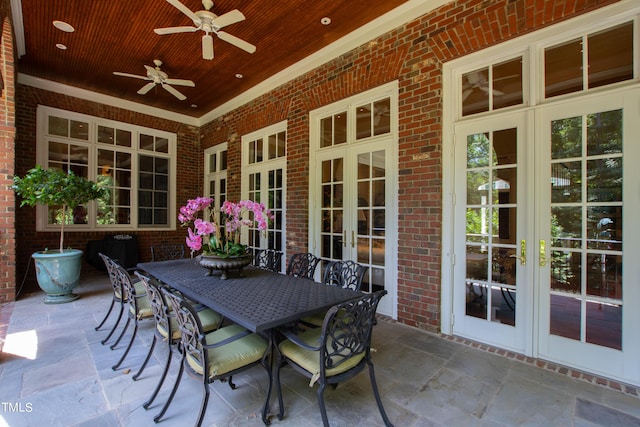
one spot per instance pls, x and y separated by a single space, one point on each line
56 87
18 26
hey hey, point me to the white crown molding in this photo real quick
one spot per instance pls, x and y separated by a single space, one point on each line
18 26
29 80
408 11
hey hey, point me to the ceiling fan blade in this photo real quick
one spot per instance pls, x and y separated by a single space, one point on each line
146 88
184 9
207 46
466 93
496 92
180 82
246 46
173 91
174 30
117 73
228 19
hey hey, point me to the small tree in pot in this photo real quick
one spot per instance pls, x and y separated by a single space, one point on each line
57 272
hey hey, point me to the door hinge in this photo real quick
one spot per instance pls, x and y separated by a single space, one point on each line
453 319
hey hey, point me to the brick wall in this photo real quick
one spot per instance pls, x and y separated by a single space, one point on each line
413 54
7 161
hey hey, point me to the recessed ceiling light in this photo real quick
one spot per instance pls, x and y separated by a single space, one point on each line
61 46
63 26
194 106
239 76
325 21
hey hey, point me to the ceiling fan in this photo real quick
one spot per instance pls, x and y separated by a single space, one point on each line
209 22
476 80
156 76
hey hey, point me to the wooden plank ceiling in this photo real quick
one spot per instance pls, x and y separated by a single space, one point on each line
117 35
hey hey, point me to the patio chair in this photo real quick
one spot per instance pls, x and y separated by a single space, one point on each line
338 351
117 297
268 259
345 274
139 307
303 265
216 355
166 251
167 328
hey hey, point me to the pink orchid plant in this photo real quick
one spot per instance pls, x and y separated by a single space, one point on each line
205 234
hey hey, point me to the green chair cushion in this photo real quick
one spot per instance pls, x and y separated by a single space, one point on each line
233 355
209 319
310 359
315 319
144 306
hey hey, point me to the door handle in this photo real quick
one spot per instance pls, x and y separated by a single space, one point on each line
344 238
543 253
523 253
353 239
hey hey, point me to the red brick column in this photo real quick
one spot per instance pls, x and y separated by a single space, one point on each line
7 166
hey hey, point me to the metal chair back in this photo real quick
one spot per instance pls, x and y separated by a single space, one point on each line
268 259
166 251
303 265
345 274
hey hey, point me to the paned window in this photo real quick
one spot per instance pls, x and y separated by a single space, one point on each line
134 163
590 61
493 87
215 177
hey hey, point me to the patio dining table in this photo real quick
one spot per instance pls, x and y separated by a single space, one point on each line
259 300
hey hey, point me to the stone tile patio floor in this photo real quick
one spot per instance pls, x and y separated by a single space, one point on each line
55 372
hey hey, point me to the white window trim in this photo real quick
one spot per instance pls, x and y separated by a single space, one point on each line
42 137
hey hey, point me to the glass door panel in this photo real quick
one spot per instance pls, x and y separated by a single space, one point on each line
490 298
354 199
586 228
371 244
585 317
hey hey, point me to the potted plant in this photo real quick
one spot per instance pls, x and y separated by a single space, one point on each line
57 271
220 240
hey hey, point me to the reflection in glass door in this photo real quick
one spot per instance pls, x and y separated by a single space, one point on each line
360 235
492 188
586 319
586 228
491 296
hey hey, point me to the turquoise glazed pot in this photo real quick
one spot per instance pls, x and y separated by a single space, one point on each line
58 274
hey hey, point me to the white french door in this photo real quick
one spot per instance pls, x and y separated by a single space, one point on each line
587 246
545 257
356 211
492 273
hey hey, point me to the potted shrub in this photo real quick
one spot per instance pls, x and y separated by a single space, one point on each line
57 271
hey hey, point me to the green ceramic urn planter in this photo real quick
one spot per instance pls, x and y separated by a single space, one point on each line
57 271
58 274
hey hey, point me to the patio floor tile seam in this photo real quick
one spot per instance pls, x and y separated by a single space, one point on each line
549 366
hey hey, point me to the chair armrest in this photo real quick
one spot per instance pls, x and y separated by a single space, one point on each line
237 336
297 341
